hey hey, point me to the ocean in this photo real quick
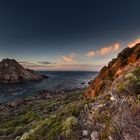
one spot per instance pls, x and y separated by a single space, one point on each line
58 80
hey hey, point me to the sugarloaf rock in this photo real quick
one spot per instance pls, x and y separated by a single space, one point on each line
12 72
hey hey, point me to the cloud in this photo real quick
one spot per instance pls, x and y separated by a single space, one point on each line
106 50
40 64
77 67
61 66
91 53
133 43
45 62
69 58
117 46
28 64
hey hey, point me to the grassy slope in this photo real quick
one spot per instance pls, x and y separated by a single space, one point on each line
43 119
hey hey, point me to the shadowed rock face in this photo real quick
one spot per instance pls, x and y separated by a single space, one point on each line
12 72
126 60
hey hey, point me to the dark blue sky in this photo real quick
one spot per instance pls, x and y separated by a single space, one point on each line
37 30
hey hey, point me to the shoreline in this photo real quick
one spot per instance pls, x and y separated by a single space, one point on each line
19 117
57 81
45 94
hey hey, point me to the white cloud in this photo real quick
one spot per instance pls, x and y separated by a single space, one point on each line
105 50
69 58
91 53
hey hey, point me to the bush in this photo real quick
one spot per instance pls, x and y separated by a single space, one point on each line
68 124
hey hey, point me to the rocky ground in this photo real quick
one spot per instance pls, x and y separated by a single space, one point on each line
49 115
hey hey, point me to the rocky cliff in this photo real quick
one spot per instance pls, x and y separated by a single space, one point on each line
127 60
12 72
114 111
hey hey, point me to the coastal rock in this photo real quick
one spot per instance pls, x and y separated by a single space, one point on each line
115 113
126 60
85 133
94 135
12 72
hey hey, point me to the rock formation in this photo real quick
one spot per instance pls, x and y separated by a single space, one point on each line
12 72
115 113
128 59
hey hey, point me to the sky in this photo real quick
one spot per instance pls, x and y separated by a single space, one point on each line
81 35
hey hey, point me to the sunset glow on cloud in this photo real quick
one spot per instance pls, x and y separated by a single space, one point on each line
91 53
73 61
69 58
133 43
106 50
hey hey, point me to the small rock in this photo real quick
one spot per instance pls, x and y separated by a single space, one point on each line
128 136
13 104
85 133
112 98
17 138
110 138
94 135
89 82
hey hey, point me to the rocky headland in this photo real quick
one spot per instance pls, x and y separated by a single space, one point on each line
114 113
126 61
12 72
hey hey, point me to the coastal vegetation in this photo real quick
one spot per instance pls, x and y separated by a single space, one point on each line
42 118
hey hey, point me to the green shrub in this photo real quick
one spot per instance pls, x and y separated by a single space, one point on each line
137 71
28 117
122 86
68 124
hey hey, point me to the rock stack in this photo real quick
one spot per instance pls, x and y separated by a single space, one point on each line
12 72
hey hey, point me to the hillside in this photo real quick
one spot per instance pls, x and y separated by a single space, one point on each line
114 111
126 61
12 72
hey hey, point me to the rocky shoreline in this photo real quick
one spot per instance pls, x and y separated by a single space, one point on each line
44 95
19 116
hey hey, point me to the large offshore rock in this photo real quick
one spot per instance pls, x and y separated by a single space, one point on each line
12 72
